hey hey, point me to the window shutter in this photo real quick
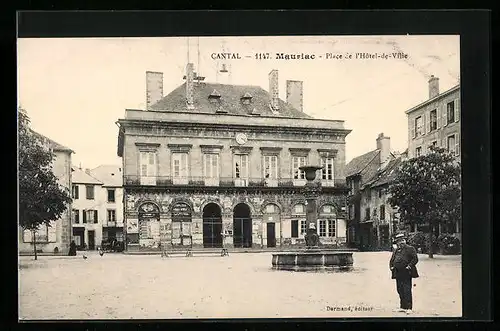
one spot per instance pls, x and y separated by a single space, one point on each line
95 217
444 118
457 144
84 214
428 122
438 117
413 131
457 109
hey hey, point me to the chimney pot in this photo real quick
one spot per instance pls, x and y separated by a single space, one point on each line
384 145
433 86
154 88
294 94
274 89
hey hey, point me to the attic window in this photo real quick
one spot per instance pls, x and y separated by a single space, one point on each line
214 96
246 99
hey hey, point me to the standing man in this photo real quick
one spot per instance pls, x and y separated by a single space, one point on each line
403 267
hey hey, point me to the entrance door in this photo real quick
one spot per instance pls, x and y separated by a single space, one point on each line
91 239
271 235
242 226
79 237
212 226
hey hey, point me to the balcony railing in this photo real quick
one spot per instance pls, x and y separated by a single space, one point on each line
113 223
194 181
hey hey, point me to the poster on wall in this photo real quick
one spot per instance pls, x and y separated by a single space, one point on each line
132 226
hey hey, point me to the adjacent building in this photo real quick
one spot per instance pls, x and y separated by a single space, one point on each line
364 205
88 199
57 236
435 121
212 165
111 208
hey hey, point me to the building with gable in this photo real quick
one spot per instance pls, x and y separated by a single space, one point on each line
212 165
88 198
57 237
359 172
111 208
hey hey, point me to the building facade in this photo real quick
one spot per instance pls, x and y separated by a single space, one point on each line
88 200
435 121
212 165
57 237
364 212
111 208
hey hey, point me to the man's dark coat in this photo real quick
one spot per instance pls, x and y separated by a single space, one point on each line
407 255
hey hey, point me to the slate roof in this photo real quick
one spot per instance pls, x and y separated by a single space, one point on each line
356 165
53 144
386 175
230 101
79 176
109 175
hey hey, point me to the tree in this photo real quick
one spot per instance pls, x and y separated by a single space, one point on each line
427 190
41 198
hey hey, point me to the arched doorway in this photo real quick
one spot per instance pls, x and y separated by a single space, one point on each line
242 226
181 224
149 225
212 226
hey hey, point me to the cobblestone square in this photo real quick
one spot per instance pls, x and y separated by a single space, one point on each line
243 285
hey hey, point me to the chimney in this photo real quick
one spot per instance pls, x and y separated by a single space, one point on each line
273 89
154 88
433 87
384 145
190 86
294 94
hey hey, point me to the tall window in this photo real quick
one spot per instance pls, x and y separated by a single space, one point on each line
418 151
89 192
327 172
382 212
295 228
180 165
211 166
322 228
303 227
75 191
271 166
451 144
241 166
367 214
418 126
332 230
111 195
433 120
111 215
450 112
148 168
297 162
76 216
90 216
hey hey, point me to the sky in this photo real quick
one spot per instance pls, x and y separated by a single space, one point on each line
75 89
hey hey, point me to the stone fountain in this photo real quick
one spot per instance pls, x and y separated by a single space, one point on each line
313 257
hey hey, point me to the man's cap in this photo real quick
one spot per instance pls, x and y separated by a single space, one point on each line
399 236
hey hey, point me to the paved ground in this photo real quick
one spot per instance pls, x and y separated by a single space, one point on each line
238 286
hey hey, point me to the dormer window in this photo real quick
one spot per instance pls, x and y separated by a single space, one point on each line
246 99
214 97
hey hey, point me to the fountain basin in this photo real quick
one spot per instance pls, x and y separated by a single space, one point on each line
312 260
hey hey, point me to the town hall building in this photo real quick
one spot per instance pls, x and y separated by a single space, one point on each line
217 165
